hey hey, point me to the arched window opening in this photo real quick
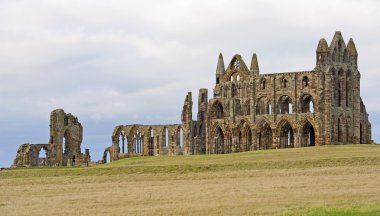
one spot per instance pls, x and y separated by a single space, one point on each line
286 136
305 81
232 78
217 111
284 83
166 137
65 143
137 143
238 78
122 142
263 106
151 142
269 109
285 105
308 135
262 84
42 157
265 137
307 104
219 141
180 137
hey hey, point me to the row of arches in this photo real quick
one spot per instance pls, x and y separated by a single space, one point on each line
285 105
224 141
264 106
135 141
284 82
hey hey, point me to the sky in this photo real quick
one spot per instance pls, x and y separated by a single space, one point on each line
115 62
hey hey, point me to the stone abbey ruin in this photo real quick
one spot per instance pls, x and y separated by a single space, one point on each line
248 111
63 149
251 111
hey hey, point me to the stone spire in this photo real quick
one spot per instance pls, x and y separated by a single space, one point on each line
322 46
220 67
254 64
322 52
351 48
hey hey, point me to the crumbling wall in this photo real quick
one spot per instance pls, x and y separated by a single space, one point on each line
66 135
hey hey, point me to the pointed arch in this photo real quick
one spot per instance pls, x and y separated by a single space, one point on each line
217 110
305 81
286 134
285 105
307 135
218 140
306 104
264 135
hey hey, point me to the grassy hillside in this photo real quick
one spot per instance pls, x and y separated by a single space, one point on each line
328 180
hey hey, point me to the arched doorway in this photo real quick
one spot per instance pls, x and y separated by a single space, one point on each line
42 157
219 141
308 135
265 138
286 135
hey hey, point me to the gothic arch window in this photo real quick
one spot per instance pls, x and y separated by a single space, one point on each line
284 83
238 78
137 143
307 135
265 137
305 81
286 136
262 106
180 137
262 84
307 104
217 110
219 141
285 105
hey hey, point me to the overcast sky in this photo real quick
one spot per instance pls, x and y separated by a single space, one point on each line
125 62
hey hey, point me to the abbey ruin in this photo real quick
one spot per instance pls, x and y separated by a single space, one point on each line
63 148
250 111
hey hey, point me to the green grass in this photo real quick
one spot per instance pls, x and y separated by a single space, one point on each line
327 180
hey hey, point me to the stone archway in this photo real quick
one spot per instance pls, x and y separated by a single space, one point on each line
308 135
265 136
286 135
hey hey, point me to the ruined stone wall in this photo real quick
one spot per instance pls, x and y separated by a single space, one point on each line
66 135
250 111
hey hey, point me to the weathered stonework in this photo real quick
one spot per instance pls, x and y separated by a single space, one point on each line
63 147
251 111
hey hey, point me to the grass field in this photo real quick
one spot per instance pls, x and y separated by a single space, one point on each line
328 180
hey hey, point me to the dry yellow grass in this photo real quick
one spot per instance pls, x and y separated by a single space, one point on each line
348 183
